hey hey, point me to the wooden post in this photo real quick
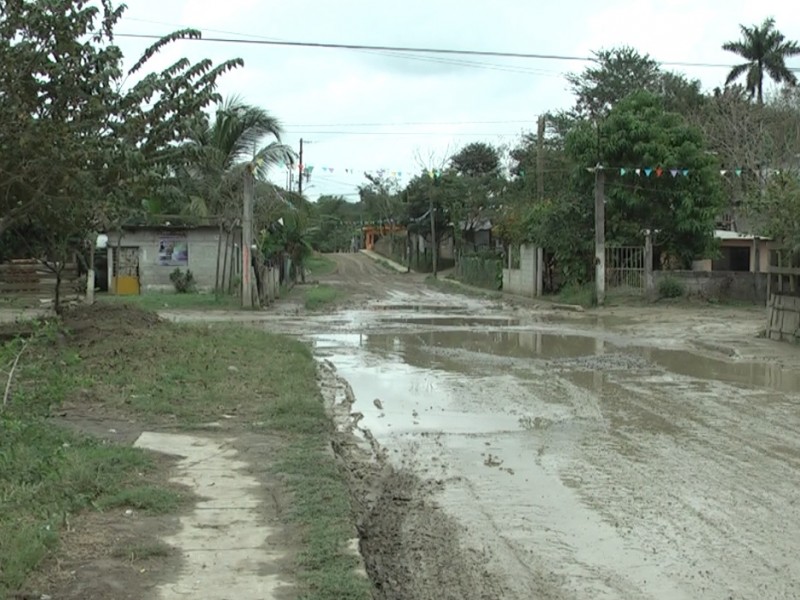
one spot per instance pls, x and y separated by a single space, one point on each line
600 233
769 276
247 239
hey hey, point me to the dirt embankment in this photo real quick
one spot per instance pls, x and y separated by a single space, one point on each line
410 548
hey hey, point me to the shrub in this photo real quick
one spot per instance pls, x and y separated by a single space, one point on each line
670 287
184 282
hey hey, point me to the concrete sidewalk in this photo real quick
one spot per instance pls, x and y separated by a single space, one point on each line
380 258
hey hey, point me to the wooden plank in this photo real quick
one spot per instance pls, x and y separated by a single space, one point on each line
33 266
784 270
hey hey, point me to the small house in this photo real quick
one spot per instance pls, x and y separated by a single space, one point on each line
739 252
141 258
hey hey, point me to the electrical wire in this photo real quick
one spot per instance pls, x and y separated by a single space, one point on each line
388 54
392 133
403 124
415 50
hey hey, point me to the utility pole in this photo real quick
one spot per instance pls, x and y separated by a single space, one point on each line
300 178
433 238
600 232
539 272
247 237
540 159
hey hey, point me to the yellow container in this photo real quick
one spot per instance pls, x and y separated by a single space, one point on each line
126 286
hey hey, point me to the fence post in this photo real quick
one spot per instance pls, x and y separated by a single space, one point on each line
539 271
649 281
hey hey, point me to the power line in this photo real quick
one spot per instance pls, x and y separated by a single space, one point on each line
393 133
389 54
416 50
326 45
406 123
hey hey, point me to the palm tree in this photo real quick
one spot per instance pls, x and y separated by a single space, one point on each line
765 49
222 149
239 137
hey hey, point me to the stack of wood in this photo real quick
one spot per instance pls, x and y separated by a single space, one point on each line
783 318
28 280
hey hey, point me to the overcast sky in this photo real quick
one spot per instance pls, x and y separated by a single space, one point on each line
364 111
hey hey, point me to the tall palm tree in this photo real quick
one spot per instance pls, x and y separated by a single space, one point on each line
240 134
765 49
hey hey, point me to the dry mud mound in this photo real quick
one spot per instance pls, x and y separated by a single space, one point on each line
411 549
99 322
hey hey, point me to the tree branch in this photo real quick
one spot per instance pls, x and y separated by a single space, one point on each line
11 374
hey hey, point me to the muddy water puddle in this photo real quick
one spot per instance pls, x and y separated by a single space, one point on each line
585 465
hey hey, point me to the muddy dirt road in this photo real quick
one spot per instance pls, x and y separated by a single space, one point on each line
643 453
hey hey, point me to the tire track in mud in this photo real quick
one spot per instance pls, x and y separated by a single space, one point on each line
410 548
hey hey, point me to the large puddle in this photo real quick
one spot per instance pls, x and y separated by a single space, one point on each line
492 338
610 469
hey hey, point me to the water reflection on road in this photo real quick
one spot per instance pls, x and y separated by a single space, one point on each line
589 466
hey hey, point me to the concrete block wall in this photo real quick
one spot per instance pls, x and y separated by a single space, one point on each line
522 281
202 242
720 285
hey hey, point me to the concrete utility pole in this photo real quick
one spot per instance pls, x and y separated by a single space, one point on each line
540 159
600 233
247 237
302 168
433 239
649 281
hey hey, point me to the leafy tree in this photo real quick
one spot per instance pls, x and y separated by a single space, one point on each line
779 210
682 209
564 226
288 234
380 198
476 160
80 148
754 140
623 71
474 194
765 50
425 193
335 222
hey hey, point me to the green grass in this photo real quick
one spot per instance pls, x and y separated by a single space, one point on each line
136 552
185 374
149 499
320 265
583 295
178 375
47 473
320 296
321 508
162 301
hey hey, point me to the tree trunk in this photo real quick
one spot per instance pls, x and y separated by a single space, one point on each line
217 286
115 266
57 298
235 237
